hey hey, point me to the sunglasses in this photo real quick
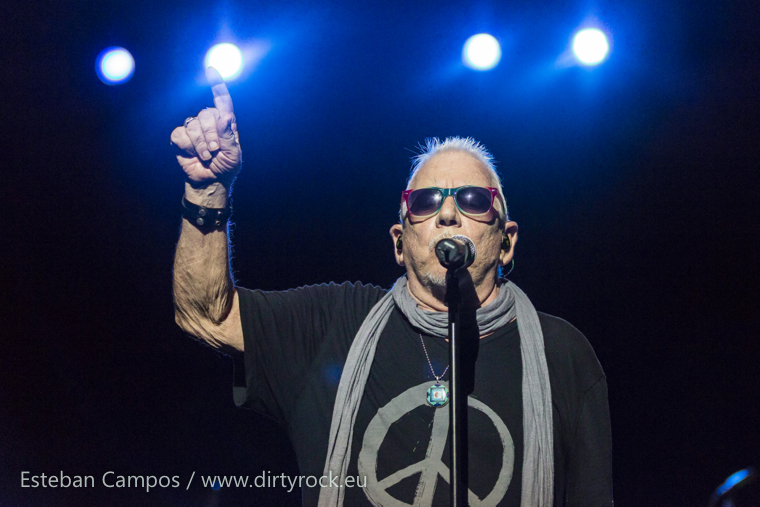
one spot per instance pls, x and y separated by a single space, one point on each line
471 201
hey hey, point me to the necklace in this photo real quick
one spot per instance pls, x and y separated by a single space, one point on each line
437 395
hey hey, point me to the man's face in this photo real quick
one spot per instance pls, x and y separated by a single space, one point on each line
450 169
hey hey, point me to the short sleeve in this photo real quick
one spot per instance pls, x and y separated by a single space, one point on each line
283 332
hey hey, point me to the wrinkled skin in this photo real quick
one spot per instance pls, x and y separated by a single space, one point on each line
426 277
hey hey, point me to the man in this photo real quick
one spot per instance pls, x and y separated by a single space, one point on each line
357 374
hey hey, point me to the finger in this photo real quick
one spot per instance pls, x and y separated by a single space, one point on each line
194 132
208 119
182 143
222 99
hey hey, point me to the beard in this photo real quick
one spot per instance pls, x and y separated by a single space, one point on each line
434 282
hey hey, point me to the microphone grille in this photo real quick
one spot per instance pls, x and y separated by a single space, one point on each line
467 241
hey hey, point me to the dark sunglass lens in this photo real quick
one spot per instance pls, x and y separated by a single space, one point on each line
424 201
475 200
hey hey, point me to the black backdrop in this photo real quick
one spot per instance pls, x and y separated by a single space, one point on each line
635 185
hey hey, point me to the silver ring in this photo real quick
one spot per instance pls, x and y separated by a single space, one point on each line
189 119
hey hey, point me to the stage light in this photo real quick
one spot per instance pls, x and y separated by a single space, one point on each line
736 481
114 65
481 52
733 480
590 46
226 58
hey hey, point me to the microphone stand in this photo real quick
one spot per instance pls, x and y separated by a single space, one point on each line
453 255
457 397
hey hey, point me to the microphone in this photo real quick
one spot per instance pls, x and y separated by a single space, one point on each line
455 253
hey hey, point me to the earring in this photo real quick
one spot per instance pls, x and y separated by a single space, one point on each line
399 243
506 245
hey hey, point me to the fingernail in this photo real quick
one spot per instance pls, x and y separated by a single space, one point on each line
206 155
213 146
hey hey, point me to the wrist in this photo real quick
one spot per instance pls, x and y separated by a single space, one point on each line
215 195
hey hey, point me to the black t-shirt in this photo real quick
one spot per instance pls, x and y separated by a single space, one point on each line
296 342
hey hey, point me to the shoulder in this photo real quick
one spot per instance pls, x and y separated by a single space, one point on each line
568 352
325 294
318 289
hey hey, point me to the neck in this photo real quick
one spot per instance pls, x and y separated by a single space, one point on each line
432 300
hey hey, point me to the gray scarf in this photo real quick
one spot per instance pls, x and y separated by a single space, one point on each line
511 302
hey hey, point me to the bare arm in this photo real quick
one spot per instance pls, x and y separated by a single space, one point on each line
205 300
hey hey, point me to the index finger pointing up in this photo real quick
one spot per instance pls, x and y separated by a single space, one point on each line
222 99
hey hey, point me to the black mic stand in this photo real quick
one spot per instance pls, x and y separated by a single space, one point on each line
457 397
454 255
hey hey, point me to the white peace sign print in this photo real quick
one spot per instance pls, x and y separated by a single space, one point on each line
432 466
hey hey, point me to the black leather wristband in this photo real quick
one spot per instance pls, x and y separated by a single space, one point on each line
208 218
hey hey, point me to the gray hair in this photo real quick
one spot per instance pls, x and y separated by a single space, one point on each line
433 146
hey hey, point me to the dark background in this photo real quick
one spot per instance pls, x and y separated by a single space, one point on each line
635 185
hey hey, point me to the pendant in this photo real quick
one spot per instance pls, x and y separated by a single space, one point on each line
437 395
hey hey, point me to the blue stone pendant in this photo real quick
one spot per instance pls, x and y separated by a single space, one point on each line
437 395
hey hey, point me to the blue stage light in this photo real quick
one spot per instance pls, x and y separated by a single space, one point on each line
733 480
481 52
226 58
590 46
114 65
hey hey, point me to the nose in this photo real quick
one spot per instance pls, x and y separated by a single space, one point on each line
449 214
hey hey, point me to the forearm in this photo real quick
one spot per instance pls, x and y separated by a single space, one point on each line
204 291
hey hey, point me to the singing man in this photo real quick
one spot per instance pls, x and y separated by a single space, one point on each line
376 432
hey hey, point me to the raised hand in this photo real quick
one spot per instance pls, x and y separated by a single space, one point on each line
209 144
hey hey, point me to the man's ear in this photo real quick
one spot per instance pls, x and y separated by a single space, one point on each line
508 242
397 232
